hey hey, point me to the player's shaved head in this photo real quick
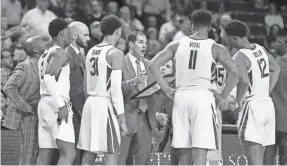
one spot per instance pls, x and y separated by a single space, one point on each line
35 46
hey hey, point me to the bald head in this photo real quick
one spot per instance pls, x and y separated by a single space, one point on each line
80 33
35 46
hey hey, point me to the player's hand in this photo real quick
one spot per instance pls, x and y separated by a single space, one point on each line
140 78
170 92
221 103
162 118
123 125
63 113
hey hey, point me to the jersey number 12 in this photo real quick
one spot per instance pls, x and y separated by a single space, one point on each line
94 61
262 66
192 59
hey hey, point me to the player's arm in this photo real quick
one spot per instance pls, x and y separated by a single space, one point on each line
56 60
243 64
274 68
159 60
221 54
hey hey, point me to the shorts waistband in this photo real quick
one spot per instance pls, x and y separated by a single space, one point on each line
65 100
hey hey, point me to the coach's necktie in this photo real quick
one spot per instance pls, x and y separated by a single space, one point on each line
81 58
143 103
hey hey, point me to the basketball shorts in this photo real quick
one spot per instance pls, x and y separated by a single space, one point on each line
194 119
256 122
99 131
49 130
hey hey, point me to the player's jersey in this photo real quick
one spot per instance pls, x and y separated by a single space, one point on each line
218 77
63 79
194 62
98 71
259 71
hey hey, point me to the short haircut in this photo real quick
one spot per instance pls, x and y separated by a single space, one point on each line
236 28
56 26
201 17
109 24
132 37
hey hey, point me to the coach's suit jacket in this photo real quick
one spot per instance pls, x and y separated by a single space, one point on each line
132 106
29 91
77 92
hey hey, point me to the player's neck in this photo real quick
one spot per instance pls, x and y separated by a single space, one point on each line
109 40
56 42
247 45
199 35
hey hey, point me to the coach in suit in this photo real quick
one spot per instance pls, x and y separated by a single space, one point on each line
139 113
80 33
23 89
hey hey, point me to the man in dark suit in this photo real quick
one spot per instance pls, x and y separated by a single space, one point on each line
139 113
23 90
80 33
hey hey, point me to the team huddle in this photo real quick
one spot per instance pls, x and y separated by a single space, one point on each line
250 76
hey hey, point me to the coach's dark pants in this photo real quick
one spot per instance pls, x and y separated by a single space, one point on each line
271 151
138 143
77 124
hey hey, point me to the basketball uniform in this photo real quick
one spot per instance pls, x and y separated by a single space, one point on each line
99 132
49 130
256 121
194 115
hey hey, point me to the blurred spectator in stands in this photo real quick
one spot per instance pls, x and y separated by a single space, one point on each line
223 20
96 35
113 8
184 28
151 22
7 43
4 25
273 17
37 20
272 45
216 16
203 4
3 105
212 34
12 10
260 6
283 9
97 11
153 45
7 66
122 45
186 8
159 8
73 12
168 29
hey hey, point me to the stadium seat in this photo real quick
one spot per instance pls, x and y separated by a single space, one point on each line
249 17
235 6
257 29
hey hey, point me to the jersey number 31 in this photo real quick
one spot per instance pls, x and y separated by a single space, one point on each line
94 61
192 59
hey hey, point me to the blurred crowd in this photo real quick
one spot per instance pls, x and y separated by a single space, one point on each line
161 20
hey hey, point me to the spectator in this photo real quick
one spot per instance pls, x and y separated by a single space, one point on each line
38 19
273 17
203 4
259 6
184 28
151 22
3 106
113 8
96 35
159 8
7 43
212 34
224 20
153 45
272 45
4 25
168 29
283 9
6 66
12 10
216 16
73 13
187 8
97 11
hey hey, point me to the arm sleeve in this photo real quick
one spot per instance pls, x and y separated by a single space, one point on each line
51 85
116 91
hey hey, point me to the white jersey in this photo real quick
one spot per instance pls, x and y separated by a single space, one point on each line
218 77
259 71
194 62
63 79
98 73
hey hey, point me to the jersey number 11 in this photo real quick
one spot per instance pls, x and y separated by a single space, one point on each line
192 59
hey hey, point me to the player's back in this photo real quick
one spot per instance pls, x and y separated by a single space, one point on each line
194 62
63 78
98 71
259 71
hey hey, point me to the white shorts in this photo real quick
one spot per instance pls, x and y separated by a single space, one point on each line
99 132
256 122
194 119
49 130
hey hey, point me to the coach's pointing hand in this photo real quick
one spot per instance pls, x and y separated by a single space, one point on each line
140 78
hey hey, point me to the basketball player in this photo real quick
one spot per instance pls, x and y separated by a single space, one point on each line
194 116
258 75
100 131
56 128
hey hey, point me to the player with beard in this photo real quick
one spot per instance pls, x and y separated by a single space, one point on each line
258 75
100 129
56 130
80 34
